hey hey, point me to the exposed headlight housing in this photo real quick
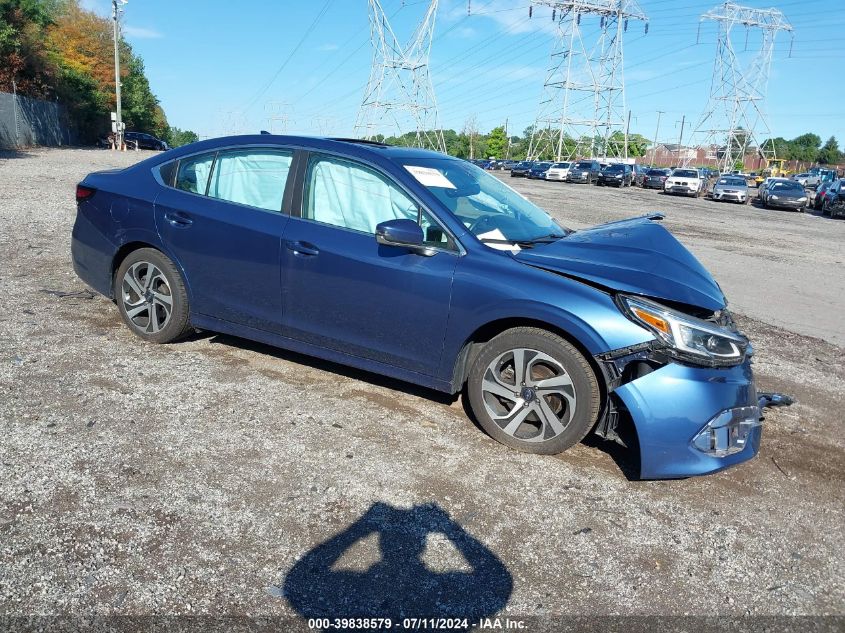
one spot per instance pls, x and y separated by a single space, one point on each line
687 338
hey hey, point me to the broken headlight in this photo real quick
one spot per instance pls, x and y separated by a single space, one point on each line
687 338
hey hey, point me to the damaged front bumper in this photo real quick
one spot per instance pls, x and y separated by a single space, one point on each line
689 420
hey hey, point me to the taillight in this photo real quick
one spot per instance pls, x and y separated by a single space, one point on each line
83 193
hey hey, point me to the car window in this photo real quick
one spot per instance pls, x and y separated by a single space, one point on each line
349 195
787 186
254 177
194 172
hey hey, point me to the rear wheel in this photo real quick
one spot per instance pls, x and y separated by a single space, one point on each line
533 391
151 296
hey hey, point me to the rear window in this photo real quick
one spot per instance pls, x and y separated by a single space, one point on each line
733 182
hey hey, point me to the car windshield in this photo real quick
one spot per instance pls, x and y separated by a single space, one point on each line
561 165
484 204
584 165
787 186
684 173
733 182
542 165
656 172
614 168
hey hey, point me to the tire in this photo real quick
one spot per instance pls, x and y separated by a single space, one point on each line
559 416
143 302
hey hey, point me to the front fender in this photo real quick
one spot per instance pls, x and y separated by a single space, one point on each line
494 287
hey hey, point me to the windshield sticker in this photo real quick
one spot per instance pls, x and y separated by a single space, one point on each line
429 177
496 234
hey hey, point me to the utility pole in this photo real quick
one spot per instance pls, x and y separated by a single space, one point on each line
681 141
119 119
15 111
656 134
400 93
508 146
735 115
582 109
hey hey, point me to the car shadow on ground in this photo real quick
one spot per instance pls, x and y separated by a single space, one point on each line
327 366
415 576
625 457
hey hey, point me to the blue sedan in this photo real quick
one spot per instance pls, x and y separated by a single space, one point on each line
425 268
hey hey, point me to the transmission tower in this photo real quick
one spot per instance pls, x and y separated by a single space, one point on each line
399 94
734 119
582 110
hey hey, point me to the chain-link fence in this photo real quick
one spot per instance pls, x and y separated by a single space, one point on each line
25 122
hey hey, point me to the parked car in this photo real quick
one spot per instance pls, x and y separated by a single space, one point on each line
146 141
833 198
507 165
558 171
763 189
818 175
469 287
786 195
520 170
801 178
655 178
618 175
639 174
584 171
822 192
538 171
731 189
684 181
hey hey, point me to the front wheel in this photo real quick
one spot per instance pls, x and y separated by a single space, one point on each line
151 296
533 391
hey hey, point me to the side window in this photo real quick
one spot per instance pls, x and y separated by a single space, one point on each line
255 177
348 195
193 173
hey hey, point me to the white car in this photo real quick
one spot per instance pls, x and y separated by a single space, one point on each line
558 171
804 179
684 181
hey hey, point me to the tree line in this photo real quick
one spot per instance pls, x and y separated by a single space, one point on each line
56 50
470 143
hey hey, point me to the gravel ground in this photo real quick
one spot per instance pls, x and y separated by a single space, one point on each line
203 477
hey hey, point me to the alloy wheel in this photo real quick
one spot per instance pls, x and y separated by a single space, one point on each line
147 297
529 395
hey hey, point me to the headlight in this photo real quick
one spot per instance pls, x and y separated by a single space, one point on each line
688 338
773 197
802 199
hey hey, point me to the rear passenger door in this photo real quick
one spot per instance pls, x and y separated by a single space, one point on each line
223 219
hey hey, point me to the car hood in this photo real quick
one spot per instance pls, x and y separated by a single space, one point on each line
789 193
637 256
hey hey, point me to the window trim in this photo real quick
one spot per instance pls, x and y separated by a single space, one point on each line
299 203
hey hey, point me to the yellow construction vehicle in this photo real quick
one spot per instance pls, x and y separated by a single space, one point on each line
774 169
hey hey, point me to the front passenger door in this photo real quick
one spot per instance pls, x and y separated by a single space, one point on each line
344 291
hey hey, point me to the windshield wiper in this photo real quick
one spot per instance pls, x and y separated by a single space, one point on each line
544 239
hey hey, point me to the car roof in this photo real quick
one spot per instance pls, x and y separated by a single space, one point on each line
350 146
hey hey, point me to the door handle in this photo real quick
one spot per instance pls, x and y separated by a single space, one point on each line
303 249
177 219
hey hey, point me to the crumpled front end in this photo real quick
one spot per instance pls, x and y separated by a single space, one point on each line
693 420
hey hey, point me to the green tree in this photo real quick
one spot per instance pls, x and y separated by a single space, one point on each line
497 142
176 137
829 154
805 147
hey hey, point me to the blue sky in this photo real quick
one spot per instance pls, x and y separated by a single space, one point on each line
220 66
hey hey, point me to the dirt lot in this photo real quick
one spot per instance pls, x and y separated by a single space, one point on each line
202 477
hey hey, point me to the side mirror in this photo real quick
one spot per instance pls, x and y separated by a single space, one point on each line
403 233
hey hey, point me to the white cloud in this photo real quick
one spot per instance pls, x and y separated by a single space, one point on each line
141 33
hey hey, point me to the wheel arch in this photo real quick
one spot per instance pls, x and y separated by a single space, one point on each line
131 246
473 344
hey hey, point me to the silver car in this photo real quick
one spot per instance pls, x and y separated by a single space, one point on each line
731 189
